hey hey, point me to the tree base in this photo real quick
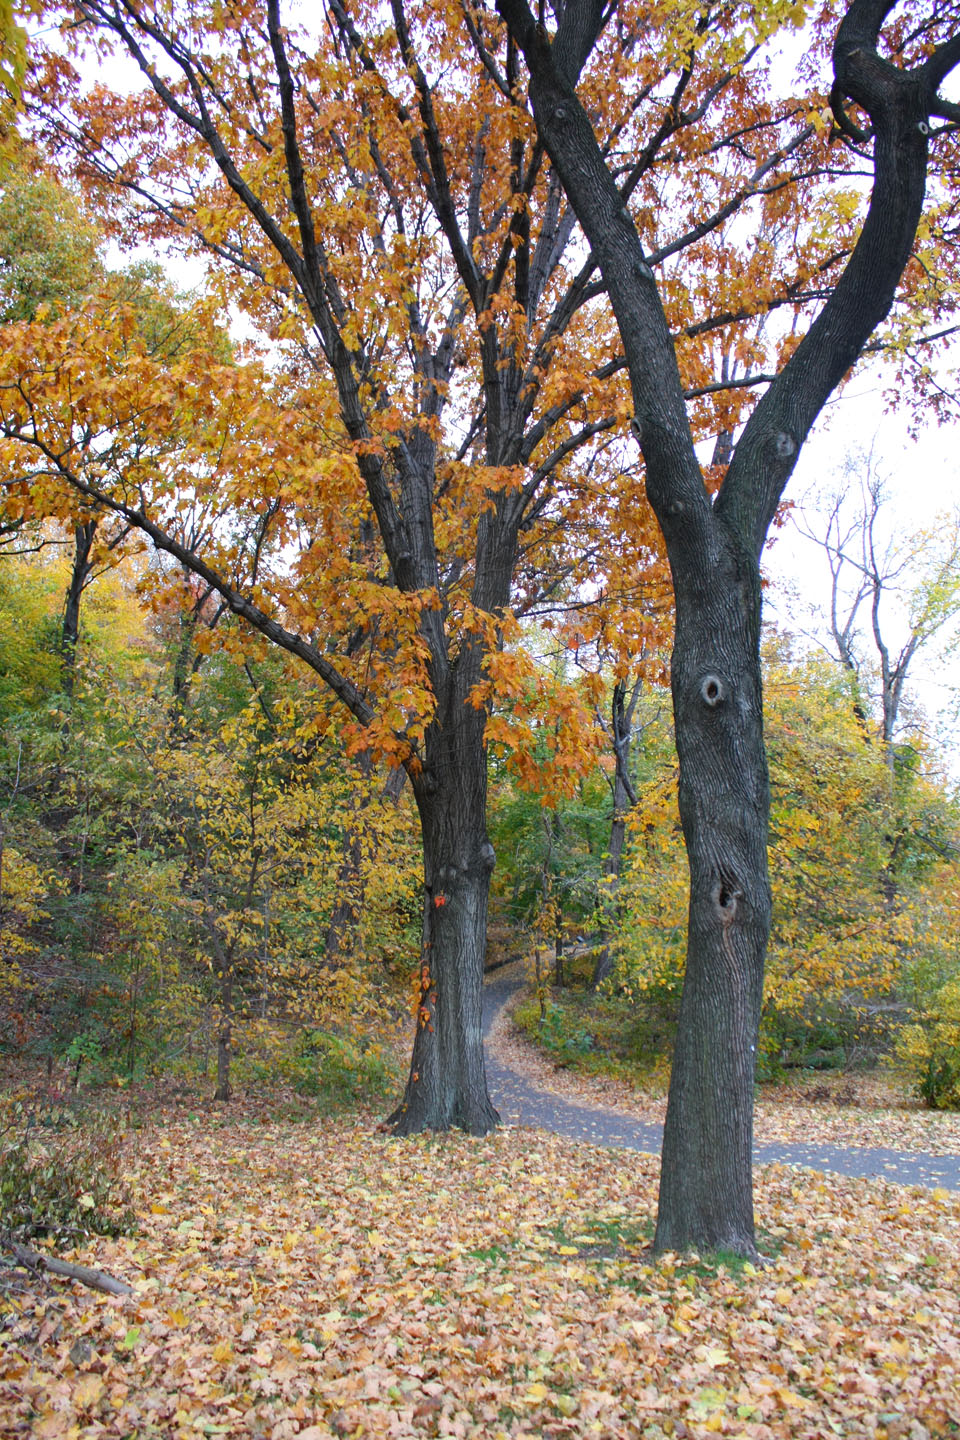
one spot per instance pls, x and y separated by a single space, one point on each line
477 1119
734 1247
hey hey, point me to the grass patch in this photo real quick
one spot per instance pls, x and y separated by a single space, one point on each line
622 1239
490 1255
603 1238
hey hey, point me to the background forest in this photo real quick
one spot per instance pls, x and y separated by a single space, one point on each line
198 879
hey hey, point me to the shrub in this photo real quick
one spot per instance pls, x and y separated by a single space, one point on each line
61 1174
931 1050
563 1036
329 1067
561 1031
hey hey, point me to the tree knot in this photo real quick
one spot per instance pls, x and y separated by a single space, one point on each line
712 691
725 899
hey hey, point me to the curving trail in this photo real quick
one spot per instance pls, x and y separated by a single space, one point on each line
522 1103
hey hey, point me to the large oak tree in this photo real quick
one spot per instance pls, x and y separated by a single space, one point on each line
714 545
437 399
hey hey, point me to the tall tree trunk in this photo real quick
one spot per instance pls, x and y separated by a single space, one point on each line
84 535
345 915
714 549
224 1039
706 1174
447 1085
183 661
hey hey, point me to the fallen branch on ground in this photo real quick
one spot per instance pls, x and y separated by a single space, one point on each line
37 1262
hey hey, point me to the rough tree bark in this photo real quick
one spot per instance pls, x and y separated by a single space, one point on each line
714 550
447 1081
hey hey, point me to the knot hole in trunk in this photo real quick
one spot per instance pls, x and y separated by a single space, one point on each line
712 691
725 900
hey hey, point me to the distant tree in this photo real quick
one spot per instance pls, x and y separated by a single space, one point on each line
52 264
50 250
13 51
873 575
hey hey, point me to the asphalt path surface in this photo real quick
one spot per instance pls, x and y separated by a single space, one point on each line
520 1102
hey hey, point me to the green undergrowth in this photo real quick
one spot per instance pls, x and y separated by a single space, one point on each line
599 1036
334 1072
61 1172
630 1037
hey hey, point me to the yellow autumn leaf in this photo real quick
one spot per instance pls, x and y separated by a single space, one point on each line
88 1391
792 1400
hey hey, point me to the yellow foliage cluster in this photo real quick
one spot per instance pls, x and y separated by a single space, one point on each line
930 1048
193 843
865 909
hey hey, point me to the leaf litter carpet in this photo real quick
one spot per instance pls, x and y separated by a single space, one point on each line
327 1280
322 1279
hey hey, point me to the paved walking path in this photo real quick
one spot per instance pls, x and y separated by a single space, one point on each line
520 1102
